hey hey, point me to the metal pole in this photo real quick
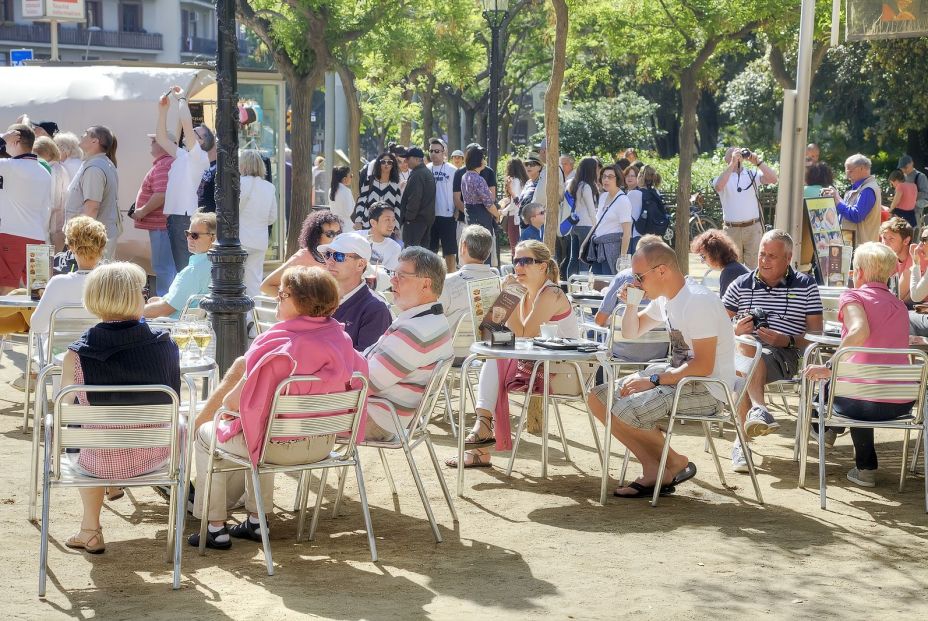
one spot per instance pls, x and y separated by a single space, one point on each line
54 41
227 302
493 115
800 138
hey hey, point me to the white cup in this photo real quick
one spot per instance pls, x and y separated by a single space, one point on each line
634 295
549 331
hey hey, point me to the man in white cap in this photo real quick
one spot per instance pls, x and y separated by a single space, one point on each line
366 316
457 158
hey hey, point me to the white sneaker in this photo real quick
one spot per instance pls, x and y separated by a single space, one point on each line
738 462
831 436
864 478
760 422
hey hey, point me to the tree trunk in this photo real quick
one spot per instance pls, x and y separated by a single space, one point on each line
917 146
470 118
689 98
406 126
427 98
301 142
708 121
354 124
552 103
453 113
480 130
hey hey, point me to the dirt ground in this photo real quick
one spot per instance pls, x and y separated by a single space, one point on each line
525 547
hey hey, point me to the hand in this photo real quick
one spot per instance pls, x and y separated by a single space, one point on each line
735 159
745 325
358 226
137 215
163 102
509 279
772 337
177 91
919 250
817 372
754 159
634 384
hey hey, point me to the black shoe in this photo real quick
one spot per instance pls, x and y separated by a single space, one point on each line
211 542
246 530
190 498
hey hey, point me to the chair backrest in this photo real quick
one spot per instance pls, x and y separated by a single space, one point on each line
657 335
898 382
711 280
316 415
264 313
830 309
430 396
65 326
578 282
481 293
192 308
92 426
745 365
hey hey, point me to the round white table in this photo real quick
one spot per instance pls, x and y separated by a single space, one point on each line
17 301
542 357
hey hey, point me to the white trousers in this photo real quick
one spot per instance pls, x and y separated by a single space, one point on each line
254 271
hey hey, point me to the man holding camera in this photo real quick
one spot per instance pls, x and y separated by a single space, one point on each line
738 189
778 306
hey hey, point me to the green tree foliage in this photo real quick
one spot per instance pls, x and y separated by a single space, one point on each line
606 126
752 103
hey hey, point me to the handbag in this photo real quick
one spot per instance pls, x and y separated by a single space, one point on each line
586 245
568 223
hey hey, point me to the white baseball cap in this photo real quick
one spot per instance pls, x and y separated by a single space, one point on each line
349 243
457 153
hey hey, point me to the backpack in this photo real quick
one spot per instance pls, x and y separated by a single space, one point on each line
653 219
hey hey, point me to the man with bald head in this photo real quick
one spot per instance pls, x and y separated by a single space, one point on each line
812 154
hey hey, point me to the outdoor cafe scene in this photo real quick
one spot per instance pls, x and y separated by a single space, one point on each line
472 347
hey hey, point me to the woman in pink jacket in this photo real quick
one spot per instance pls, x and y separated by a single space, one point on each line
306 341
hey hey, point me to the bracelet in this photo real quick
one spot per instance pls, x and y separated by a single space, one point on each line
181 99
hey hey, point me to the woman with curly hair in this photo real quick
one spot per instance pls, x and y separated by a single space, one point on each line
717 251
319 227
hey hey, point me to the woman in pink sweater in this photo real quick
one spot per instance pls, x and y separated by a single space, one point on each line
306 341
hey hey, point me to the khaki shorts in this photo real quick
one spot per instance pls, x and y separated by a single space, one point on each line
747 241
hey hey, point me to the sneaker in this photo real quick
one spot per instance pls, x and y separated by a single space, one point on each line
864 478
190 497
246 529
760 422
211 539
831 436
738 462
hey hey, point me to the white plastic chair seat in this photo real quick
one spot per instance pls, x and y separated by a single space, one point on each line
73 477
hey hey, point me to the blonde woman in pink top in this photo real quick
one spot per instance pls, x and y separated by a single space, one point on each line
871 316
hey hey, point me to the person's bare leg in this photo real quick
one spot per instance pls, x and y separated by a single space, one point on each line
229 380
649 443
4 290
755 391
451 263
92 499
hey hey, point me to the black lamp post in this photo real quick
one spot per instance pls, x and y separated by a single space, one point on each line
495 12
227 303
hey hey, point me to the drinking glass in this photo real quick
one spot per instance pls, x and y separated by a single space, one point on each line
202 335
180 332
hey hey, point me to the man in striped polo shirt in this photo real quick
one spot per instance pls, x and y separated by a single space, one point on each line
792 306
401 363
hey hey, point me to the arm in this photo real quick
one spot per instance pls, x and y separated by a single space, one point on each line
768 175
161 128
186 119
918 282
272 282
701 365
855 320
722 180
229 381
897 196
549 304
905 278
68 367
91 208
156 307
637 323
626 236
860 211
155 202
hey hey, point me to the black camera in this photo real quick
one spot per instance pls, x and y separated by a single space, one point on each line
746 153
759 317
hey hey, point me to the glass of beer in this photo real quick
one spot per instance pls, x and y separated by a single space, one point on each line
202 335
180 333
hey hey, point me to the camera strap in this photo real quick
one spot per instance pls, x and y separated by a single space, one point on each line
760 208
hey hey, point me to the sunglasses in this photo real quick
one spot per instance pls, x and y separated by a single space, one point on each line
339 257
386 162
435 150
526 261
195 236
283 295
639 278
331 234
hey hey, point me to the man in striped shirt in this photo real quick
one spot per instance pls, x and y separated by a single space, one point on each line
792 306
149 215
401 362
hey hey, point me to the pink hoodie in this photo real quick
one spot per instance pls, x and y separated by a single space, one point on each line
315 346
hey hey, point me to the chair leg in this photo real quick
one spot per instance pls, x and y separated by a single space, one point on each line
628 455
299 492
924 438
748 455
180 515
204 508
515 443
918 443
43 542
365 509
172 509
27 384
560 429
36 454
707 428
262 518
905 460
596 440
302 499
441 478
386 470
319 495
449 415
663 463
342 475
821 462
425 498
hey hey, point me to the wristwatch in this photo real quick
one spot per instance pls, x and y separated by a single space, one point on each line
655 379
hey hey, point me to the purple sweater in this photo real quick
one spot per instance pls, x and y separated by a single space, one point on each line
366 318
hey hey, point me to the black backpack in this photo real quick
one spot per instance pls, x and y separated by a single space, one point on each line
653 219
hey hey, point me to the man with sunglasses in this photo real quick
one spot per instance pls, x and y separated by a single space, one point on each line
445 227
792 306
417 207
193 279
365 315
702 345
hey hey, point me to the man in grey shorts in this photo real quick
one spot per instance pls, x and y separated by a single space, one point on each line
702 344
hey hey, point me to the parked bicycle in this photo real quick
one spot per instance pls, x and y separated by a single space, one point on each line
699 222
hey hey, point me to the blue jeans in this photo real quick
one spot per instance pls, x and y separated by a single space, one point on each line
576 264
177 227
162 261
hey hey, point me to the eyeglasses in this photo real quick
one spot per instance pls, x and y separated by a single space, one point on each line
386 162
702 257
339 257
435 151
195 236
609 176
331 234
527 260
283 295
639 278
400 275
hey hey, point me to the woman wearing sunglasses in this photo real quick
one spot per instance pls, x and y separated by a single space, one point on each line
382 185
536 270
193 279
319 227
918 283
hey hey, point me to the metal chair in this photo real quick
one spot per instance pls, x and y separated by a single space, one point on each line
264 313
299 416
72 426
651 337
192 310
745 368
416 434
899 382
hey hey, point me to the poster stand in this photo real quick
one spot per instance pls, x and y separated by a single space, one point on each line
826 249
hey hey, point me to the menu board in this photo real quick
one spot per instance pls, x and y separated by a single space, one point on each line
38 268
481 294
501 308
832 249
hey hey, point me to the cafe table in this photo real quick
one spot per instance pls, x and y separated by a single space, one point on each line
542 357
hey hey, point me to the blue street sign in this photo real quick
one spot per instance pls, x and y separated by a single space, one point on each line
18 58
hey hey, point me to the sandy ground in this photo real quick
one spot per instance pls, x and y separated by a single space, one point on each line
524 548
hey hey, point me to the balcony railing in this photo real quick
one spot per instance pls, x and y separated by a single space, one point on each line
41 33
196 45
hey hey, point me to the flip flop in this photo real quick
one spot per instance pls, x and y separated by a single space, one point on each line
684 475
645 491
452 462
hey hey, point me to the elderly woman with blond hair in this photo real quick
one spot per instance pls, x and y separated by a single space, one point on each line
257 210
48 150
120 350
71 154
871 316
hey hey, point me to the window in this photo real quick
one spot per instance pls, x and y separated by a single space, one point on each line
130 17
6 10
94 10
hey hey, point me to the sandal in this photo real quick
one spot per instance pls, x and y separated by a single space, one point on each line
644 491
473 438
114 493
93 544
475 461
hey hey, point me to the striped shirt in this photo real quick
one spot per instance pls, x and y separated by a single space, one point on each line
155 181
400 364
372 192
787 303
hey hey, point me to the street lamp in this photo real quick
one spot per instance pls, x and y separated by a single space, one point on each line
227 303
90 31
495 12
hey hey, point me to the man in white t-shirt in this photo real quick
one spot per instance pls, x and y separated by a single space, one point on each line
386 250
25 203
738 188
190 162
475 249
702 344
444 228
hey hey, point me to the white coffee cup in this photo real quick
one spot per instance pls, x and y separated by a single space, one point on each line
634 295
549 331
